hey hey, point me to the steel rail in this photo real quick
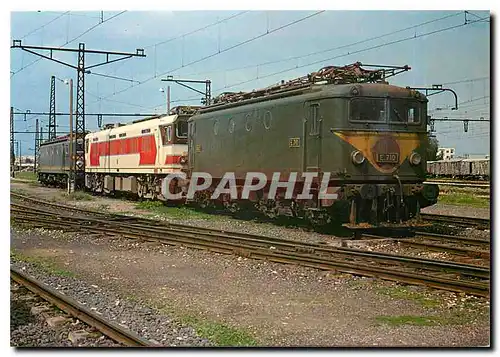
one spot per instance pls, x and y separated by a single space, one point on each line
472 287
431 246
456 220
70 306
459 184
474 182
447 248
296 246
458 239
462 221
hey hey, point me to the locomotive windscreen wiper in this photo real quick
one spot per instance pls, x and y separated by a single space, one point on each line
397 113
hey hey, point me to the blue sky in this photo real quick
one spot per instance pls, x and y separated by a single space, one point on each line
459 54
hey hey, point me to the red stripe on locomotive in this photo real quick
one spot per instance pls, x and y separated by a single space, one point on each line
173 159
145 146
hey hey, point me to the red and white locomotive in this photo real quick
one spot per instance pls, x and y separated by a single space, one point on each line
137 157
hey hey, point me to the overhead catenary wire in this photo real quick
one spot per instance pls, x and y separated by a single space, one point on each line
74 13
467 80
114 77
460 103
330 49
218 52
42 26
349 53
197 30
68 42
192 32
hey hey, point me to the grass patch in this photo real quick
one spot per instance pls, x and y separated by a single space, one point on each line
19 191
102 207
463 199
25 175
447 318
157 207
78 196
403 293
466 309
43 263
355 284
220 334
409 320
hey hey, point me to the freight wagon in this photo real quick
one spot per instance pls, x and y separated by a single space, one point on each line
460 168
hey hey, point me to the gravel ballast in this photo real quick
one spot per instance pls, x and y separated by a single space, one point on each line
132 315
36 323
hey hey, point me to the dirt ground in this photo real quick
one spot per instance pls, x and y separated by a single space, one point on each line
278 305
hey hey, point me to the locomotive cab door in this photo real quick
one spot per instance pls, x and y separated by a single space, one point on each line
312 137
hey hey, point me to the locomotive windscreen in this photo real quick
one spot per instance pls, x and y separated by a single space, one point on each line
404 111
368 110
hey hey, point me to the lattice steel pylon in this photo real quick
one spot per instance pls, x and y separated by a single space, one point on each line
79 157
12 154
52 110
37 145
79 152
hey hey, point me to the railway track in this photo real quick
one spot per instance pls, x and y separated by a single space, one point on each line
482 185
70 306
445 275
475 247
474 182
480 223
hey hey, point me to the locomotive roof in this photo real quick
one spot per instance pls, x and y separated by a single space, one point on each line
350 80
57 140
144 124
318 91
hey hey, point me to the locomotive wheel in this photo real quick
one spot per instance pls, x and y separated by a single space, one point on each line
318 218
140 192
232 207
271 209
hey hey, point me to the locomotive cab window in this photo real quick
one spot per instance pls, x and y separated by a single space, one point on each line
404 111
86 145
367 110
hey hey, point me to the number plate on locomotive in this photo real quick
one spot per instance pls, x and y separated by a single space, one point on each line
294 142
389 158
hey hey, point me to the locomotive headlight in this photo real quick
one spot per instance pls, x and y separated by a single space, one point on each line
415 158
357 157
